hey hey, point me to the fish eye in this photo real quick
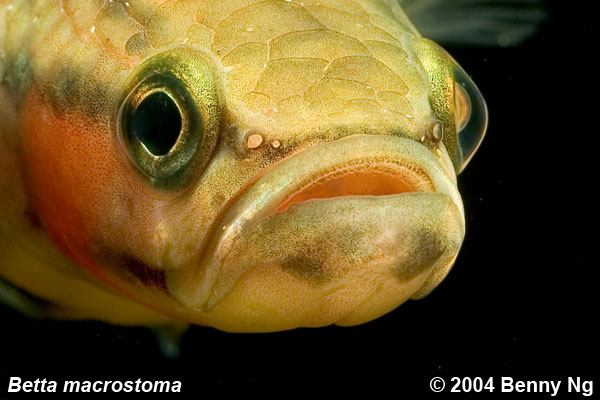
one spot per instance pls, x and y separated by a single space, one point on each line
471 115
157 123
161 127
169 116
463 107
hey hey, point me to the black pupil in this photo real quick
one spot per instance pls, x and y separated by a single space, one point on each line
157 123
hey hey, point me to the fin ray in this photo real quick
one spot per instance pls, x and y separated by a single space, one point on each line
476 22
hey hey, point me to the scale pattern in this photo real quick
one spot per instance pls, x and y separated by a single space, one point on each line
332 58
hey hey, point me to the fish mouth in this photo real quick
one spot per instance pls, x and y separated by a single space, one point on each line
330 218
361 178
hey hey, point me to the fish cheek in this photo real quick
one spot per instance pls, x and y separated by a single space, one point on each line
81 189
55 177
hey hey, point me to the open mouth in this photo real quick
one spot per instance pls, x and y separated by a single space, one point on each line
355 166
361 179
360 205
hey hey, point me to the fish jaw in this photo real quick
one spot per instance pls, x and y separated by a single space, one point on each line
308 245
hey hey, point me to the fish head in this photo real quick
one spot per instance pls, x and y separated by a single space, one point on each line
281 176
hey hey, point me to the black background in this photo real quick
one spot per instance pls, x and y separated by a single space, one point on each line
521 301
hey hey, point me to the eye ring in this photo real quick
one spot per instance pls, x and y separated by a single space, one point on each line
158 149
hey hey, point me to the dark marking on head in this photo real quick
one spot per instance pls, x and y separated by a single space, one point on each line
131 269
145 274
306 267
429 249
33 219
17 71
72 89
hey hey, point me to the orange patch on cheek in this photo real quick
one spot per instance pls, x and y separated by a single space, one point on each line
70 164
74 175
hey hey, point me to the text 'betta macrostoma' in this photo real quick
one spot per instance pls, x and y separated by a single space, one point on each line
247 165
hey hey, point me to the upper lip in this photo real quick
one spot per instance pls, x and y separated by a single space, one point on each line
398 158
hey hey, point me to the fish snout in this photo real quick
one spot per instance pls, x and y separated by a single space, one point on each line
340 233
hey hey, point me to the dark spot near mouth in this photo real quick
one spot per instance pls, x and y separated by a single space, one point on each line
430 248
306 267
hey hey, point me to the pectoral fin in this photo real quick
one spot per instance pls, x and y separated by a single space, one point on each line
476 22
21 301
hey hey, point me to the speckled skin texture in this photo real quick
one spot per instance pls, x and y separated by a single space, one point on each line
288 92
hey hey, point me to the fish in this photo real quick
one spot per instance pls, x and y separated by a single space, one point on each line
252 166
